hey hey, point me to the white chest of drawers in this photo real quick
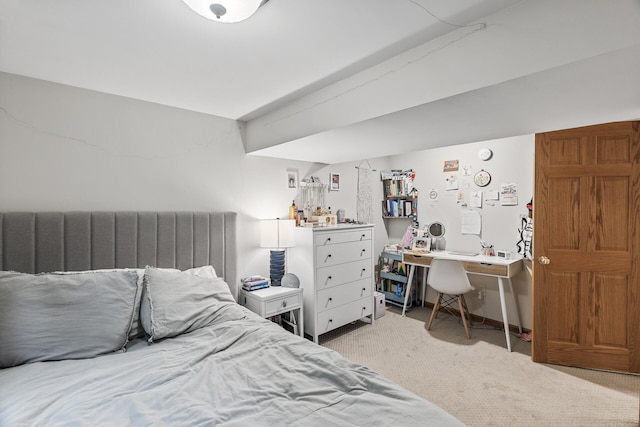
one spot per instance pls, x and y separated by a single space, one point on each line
335 268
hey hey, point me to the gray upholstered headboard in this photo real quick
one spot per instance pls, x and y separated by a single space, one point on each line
34 242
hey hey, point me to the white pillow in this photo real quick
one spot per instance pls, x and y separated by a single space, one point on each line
137 330
175 302
204 271
58 317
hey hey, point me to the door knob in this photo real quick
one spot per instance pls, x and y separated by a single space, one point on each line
544 260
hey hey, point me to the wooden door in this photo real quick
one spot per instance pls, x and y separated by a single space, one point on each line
586 215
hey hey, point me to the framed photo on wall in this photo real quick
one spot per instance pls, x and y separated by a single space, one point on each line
334 181
292 179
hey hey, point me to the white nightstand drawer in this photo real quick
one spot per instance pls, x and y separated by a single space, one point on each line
339 295
268 302
343 253
276 306
335 275
331 319
333 238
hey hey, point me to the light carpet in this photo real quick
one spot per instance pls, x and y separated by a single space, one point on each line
478 380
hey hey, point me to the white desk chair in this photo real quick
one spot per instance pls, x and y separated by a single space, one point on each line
447 277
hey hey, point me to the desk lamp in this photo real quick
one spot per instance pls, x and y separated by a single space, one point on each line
277 234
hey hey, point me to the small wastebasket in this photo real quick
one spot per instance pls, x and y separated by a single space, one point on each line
380 304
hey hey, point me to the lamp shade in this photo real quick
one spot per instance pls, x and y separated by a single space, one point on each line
225 10
277 233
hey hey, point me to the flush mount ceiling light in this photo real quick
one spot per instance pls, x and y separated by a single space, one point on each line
225 10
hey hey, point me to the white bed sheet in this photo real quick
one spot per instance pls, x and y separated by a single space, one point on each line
237 373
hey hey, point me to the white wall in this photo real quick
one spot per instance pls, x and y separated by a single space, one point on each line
346 198
512 162
64 148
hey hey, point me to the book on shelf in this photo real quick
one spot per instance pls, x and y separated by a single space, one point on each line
398 188
408 207
385 208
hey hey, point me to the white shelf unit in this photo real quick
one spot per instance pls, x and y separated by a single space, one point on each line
400 197
389 281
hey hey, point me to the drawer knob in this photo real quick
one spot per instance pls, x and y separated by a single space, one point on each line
328 239
363 236
330 320
284 303
330 299
363 251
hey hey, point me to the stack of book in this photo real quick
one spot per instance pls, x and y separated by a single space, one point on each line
252 283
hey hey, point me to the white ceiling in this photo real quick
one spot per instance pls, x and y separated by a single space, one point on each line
338 80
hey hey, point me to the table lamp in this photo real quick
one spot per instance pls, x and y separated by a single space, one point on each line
277 234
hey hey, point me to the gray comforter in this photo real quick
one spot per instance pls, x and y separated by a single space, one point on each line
236 373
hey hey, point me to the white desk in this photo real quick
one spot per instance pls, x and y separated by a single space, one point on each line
502 269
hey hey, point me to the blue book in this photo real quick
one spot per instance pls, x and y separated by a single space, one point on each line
253 287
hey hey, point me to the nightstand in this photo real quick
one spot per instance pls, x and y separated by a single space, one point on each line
274 300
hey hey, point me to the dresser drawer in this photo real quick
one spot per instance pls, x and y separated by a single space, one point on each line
327 299
334 318
335 275
277 305
342 253
333 238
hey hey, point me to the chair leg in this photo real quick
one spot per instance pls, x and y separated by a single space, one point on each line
436 306
464 317
466 309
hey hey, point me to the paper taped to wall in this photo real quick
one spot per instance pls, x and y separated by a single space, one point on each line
471 222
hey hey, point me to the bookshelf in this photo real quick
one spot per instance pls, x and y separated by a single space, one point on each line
400 197
393 280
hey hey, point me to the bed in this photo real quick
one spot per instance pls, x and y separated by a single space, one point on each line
129 318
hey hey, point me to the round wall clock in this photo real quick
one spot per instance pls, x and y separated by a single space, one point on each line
485 154
482 178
